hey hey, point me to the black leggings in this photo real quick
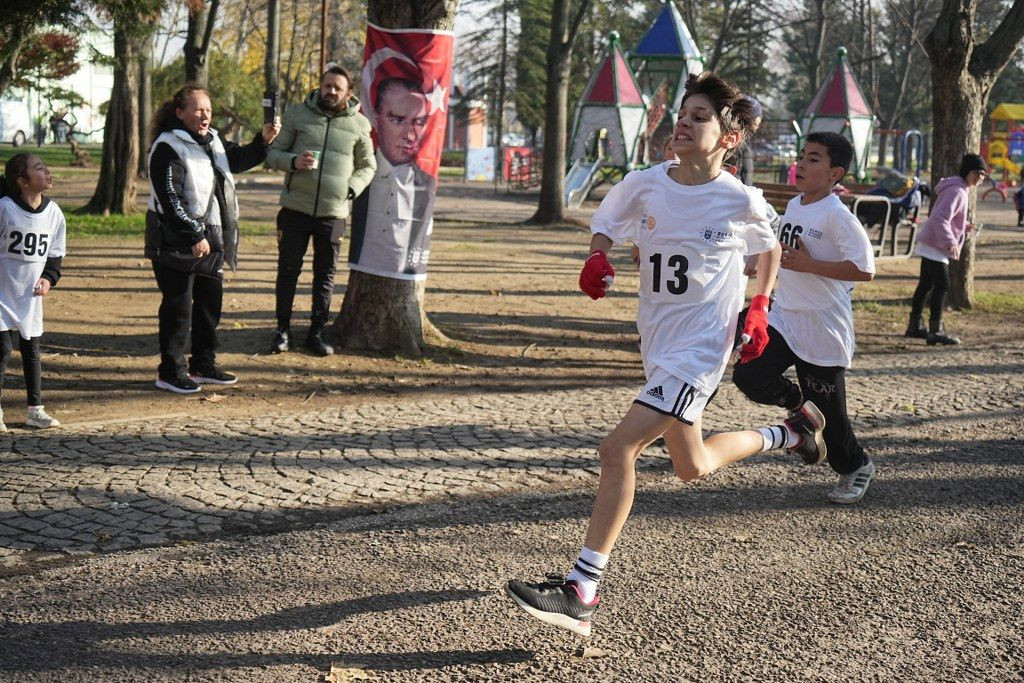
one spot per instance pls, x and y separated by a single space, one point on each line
762 381
30 363
935 279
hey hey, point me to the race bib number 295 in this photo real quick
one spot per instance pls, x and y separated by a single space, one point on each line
25 245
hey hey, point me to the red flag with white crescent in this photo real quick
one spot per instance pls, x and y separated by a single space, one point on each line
406 79
423 60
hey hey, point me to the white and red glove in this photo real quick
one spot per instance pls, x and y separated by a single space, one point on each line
755 329
597 275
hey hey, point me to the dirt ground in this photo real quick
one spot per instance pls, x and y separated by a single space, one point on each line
503 293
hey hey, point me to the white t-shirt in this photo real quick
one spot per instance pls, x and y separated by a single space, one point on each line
692 241
931 253
27 239
814 313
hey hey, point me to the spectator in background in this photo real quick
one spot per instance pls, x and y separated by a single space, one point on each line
191 230
744 158
940 239
326 151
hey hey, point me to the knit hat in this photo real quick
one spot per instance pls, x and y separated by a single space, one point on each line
972 162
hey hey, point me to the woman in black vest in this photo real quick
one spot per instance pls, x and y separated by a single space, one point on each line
192 230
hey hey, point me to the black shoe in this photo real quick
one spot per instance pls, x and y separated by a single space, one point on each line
282 341
179 385
809 423
916 328
316 343
211 375
937 335
556 602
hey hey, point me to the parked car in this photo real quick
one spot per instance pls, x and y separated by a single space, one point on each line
15 124
768 154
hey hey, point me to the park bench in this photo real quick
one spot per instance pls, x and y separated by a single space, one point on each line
888 239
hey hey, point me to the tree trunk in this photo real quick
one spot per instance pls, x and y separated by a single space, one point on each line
115 189
145 102
502 78
551 205
381 313
961 273
9 55
814 68
197 42
963 73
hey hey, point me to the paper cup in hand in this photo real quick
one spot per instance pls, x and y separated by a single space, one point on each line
744 339
316 160
608 281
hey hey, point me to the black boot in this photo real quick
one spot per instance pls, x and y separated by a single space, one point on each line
315 341
937 334
282 340
916 328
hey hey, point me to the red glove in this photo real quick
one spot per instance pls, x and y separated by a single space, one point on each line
592 277
756 329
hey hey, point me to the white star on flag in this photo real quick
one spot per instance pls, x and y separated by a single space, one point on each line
436 98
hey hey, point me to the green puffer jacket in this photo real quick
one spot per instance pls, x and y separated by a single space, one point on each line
346 157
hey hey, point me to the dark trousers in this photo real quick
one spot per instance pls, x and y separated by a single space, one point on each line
934 278
30 364
293 232
191 304
761 380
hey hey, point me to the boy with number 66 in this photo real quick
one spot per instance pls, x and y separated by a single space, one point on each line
825 251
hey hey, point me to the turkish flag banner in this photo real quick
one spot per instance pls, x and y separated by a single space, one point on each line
404 93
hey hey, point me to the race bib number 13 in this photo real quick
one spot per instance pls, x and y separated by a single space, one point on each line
668 273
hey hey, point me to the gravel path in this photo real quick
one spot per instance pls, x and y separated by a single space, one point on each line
746 575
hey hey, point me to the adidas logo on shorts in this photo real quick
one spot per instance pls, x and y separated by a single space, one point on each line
656 393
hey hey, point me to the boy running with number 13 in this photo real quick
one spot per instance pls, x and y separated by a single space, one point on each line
693 224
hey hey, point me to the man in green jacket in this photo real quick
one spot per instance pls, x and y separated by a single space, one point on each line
326 151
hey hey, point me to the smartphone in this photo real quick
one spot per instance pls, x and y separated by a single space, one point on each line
269 106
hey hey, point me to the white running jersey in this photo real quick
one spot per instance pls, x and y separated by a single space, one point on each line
692 240
27 239
813 313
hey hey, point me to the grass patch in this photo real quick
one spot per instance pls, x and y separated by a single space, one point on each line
1001 303
134 225
52 155
869 306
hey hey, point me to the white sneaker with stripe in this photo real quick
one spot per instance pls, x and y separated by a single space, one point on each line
852 487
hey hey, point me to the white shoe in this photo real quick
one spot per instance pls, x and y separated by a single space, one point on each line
3 427
852 487
37 417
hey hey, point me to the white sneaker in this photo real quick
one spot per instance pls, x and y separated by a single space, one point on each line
37 417
3 427
852 487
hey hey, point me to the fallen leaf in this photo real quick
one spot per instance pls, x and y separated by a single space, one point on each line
213 398
590 652
343 674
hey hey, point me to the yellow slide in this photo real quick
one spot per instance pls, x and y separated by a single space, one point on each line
1004 162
